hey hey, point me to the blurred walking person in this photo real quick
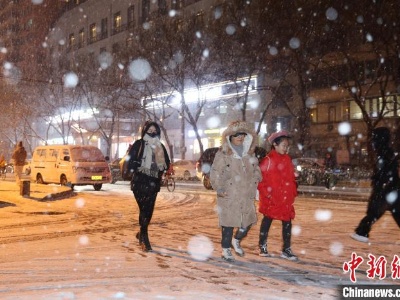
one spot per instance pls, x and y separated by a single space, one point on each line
3 163
235 175
385 185
278 190
148 160
329 162
19 157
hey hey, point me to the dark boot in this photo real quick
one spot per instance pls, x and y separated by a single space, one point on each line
145 243
139 237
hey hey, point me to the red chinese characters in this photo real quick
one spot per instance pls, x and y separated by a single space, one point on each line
352 265
377 266
396 267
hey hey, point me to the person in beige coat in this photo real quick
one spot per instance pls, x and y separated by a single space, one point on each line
235 175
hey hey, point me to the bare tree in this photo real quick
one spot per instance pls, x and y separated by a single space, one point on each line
181 64
366 60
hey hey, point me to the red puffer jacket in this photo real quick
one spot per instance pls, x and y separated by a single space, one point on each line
278 187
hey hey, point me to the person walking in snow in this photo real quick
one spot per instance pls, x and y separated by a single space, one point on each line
148 160
329 162
234 176
385 185
19 157
277 192
3 163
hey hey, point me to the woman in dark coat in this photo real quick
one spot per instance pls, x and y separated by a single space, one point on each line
385 185
148 160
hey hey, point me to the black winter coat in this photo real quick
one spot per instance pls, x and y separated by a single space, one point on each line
136 154
385 178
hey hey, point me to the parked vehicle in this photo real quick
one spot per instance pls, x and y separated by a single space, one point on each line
203 165
312 171
185 169
115 170
27 168
309 171
3 173
10 167
70 165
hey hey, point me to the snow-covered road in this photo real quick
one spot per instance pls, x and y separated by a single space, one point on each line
84 247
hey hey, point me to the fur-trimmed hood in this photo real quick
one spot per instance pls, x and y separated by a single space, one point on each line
250 141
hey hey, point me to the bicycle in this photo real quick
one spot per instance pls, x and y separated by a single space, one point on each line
167 180
3 172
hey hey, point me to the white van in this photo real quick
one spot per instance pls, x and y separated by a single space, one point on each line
70 165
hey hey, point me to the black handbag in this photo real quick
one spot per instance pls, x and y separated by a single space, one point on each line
144 184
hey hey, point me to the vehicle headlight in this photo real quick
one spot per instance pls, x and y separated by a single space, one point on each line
298 168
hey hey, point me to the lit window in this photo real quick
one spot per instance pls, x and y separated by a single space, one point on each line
117 20
389 109
355 111
81 37
313 115
71 40
92 31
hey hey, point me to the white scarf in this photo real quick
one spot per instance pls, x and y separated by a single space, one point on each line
153 145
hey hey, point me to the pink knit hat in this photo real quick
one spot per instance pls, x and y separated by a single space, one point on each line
275 135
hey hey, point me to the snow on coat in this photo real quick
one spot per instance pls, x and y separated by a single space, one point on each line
278 187
238 177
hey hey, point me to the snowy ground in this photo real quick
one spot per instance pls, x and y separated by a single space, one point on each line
84 247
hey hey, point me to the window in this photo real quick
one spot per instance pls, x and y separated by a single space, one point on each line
104 28
346 112
92 33
390 109
145 10
117 21
29 24
354 111
52 155
281 123
313 115
177 4
162 7
397 105
131 16
81 42
71 40
199 20
332 114
372 106
41 154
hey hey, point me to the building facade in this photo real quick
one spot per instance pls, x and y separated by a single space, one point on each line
101 28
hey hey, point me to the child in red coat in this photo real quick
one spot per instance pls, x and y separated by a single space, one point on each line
277 191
